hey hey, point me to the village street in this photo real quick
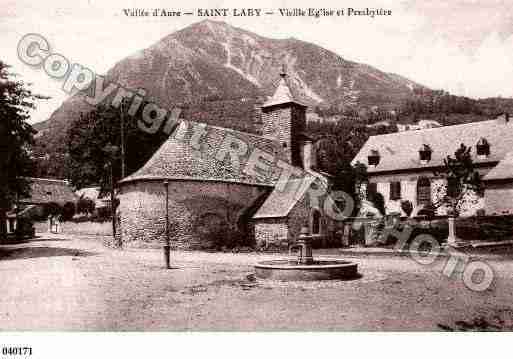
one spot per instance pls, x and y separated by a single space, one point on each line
78 284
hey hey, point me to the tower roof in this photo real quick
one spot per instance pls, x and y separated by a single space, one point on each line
283 93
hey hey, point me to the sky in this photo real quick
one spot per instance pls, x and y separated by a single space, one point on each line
462 46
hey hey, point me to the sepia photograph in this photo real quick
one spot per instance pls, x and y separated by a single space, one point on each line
256 167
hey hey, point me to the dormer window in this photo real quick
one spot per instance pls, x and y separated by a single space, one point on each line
425 154
482 148
373 158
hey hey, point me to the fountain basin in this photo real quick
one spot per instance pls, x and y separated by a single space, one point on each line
290 270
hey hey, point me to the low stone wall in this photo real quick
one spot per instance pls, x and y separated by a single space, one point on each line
70 227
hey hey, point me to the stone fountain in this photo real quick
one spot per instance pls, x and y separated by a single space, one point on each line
305 267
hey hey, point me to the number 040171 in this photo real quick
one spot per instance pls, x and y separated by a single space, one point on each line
18 351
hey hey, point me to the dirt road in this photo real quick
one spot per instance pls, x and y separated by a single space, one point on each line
77 284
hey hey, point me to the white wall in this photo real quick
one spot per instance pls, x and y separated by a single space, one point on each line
498 199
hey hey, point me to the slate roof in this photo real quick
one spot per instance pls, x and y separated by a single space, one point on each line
178 159
283 94
281 201
504 170
399 151
45 190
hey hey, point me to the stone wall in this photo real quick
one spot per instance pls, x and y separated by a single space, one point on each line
285 123
270 230
142 209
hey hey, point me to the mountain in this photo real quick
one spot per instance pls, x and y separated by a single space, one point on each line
212 66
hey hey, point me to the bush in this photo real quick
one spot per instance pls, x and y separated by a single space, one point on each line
68 211
429 211
378 201
103 214
52 209
85 206
407 207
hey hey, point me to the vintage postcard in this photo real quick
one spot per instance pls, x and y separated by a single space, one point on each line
195 166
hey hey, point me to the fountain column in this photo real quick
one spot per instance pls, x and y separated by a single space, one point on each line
305 242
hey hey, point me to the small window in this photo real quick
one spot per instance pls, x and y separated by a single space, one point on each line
49 193
425 153
395 190
483 147
373 158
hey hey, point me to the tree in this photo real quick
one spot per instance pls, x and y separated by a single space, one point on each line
462 180
16 135
92 132
53 209
85 205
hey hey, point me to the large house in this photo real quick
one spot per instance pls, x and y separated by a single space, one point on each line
406 165
212 190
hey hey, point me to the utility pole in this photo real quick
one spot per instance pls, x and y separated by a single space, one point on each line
111 152
167 246
112 201
123 170
18 227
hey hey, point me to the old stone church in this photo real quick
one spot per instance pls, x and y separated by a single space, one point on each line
210 194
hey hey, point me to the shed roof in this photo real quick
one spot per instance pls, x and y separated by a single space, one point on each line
281 200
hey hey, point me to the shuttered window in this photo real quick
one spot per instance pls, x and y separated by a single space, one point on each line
423 191
395 190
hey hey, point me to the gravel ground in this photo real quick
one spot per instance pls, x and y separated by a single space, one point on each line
77 284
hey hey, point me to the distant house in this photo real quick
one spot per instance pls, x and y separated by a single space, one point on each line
403 165
421 125
42 191
46 190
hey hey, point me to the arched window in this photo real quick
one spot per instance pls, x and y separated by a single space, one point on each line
423 191
316 221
